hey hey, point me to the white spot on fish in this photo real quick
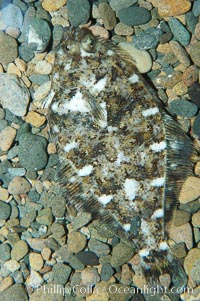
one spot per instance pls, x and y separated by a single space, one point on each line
158 214
85 171
70 146
134 78
158 147
127 227
131 187
77 104
105 199
158 182
150 112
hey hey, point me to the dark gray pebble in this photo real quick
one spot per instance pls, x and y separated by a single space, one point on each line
135 225
4 165
120 4
5 210
194 93
75 263
24 128
183 107
196 126
134 15
15 292
148 38
57 35
4 252
25 53
34 196
88 258
165 37
78 11
181 34
138 297
196 8
12 118
106 272
191 21
53 244
32 151
39 79
164 27
61 273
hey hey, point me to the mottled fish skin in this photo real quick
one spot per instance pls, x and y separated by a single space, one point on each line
122 156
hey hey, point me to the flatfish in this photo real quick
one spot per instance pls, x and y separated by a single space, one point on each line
123 158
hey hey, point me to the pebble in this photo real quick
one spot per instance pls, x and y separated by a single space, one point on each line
78 11
192 261
147 39
38 35
57 230
35 119
100 293
169 81
6 283
165 280
196 219
61 273
179 250
134 16
12 265
190 75
32 151
81 220
196 8
51 5
106 272
127 275
167 8
34 280
89 276
183 107
194 92
120 4
141 57
25 53
13 69
17 291
39 79
181 217
3 194
43 67
180 53
182 233
88 258
76 242
19 185
190 190
195 53
5 210
181 34
98 247
13 94
19 250
12 16
191 21
7 137
123 30
8 49
42 91
36 261
107 15
197 31
120 255
45 217
37 244
21 65
187 296
4 251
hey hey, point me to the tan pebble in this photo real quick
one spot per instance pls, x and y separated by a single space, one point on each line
167 8
39 57
99 31
59 20
12 223
12 265
192 257
89 276
171 95
196 219
141 57
100 292
107 15
42 91
1 69
195 53
38 244
50 58
191 294
197 168
13 32
169 81
13 69
6 283
47 185
45 269
19 250
51 149
19 185
164 48
7 137
39 186
182 19
190 75
76 242
34 280
165 280
46 253
180 67
197 31
180 88
3 194
43 67
123 30
35 119
126 275
180 53
20 64
36 261
190 190
25 80
139 281
182 233
51 5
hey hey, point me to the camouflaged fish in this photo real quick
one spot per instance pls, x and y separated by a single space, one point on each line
123 158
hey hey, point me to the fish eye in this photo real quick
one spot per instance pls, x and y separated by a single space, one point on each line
88 43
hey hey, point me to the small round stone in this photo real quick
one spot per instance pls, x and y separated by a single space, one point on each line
180 33
195 53
19 250
106 272
43 67
191 21
180 53
76 242
123 30
51 5
45 217
8 49
196 127
5 210
35 119
57 230
120 4
34 280
7 137
78 11
89 276
17 291
32 151
196 219
181 217
196 8
107 15
120 255
98 247
147 39
61 273
19 185
36 261
194 92
88 258
190 75
191 260
133 16
190 190
167 8
42 91
4 252
182 233
180 88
